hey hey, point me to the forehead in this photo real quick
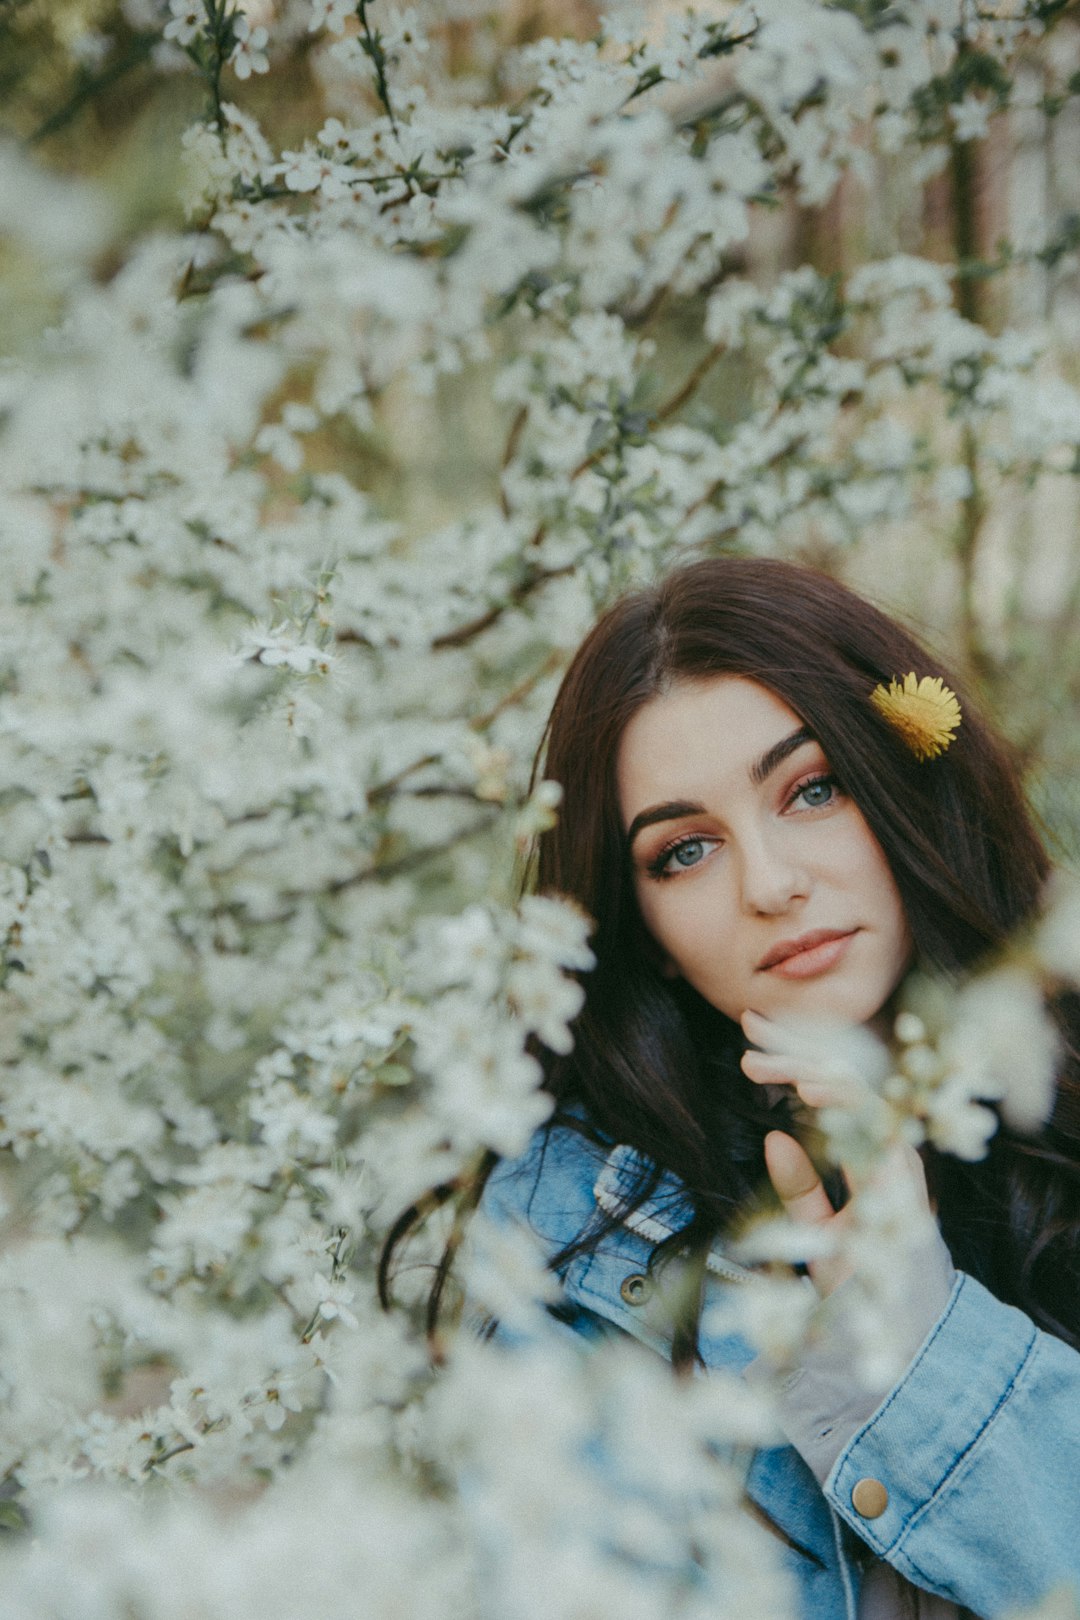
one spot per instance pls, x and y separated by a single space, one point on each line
698 737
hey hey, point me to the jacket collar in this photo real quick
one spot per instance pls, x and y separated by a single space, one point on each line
665 1211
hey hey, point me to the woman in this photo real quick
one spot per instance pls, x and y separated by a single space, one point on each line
759 838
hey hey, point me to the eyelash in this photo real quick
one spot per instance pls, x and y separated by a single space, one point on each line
658 867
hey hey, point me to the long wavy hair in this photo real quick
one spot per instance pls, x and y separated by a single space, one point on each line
653 1064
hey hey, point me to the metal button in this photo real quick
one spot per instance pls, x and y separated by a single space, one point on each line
635 1289
869 1498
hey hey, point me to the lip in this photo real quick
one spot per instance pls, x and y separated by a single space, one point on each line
814 952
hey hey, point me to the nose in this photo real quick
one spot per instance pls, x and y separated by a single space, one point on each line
771 880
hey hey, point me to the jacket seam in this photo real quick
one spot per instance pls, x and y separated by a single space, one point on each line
842 1564
1030 1355
909 1527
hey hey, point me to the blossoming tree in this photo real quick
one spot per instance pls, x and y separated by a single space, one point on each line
267 722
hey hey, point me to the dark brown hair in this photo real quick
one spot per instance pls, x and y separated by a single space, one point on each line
655 1066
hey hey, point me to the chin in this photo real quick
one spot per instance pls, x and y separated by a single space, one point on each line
847 1005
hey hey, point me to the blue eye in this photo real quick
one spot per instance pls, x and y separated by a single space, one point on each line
683 854
818 792
688 853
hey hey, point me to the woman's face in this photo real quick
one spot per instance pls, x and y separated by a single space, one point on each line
755 874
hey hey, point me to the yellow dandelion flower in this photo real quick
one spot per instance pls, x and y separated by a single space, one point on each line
924 712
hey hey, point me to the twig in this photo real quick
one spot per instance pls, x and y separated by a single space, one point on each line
481 721
525 588
371 44
513 439
167 1456
386 789
692 383
969 302
406 863
94 85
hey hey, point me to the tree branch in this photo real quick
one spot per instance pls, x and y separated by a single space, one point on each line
94 85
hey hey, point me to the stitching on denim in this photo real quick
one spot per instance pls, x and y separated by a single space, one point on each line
1030 1355
647 1224
585 1261
618 1177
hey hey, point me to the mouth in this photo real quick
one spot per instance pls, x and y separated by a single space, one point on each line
808 955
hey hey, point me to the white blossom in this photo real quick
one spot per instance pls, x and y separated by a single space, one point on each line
186 22
545 1001
1057 939
331 14
970 118
248 55
554 931
1002 1046
278 645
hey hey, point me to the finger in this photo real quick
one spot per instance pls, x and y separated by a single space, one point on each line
816 1087
774 1036
776 1070
805 1042
757 1028
820 1096
798 1185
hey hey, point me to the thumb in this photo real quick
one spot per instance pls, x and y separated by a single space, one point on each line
798 1185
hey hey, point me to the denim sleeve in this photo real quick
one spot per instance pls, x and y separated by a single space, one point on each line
978 1448
823 1401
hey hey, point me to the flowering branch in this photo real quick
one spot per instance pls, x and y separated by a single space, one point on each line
210 49
371 42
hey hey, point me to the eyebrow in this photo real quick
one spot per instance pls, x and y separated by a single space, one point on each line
760 771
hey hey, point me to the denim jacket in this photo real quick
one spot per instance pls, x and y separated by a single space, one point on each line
977 1445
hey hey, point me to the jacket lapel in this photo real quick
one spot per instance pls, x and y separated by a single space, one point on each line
785 1490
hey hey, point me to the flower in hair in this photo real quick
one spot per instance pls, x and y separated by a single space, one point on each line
924 712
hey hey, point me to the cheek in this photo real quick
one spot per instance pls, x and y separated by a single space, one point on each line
663 922
689 930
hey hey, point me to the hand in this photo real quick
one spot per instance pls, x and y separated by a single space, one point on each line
829 1064
820 1082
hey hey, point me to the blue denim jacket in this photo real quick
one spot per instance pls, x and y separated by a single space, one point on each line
978 1444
